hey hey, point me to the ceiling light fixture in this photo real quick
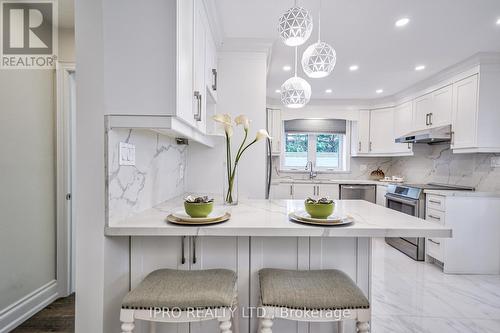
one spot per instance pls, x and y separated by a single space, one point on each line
295 92
402 22
277 91
498 21
319 59
287 68
328 91
379 91
420 68
354 68
295 26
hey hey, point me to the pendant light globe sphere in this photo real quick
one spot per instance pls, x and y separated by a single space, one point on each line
319 60
295 92
295 26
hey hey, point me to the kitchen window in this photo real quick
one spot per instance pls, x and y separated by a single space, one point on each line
321 141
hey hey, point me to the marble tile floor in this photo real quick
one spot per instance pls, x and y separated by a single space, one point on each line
417 297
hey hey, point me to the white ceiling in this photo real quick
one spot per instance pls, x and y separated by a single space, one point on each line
441 33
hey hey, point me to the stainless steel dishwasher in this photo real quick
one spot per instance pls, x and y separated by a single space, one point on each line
358 192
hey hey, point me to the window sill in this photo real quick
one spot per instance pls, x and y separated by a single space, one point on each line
315 171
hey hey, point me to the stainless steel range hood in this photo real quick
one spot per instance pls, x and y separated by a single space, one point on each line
430 136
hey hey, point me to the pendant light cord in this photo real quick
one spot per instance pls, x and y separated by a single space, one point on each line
319 22
296 61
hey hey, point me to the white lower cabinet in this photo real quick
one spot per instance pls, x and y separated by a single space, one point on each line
381 192
303 191
330 191
281 191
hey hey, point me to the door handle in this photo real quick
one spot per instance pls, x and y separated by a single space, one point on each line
183 253
430 118
197 115
214 75
370 146
435 201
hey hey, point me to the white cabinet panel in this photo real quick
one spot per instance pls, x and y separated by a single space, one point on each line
363 132
281 191
381 192
329 190
274 126
303 191
422 106
465 110
441 107
403 124
199 92
382 131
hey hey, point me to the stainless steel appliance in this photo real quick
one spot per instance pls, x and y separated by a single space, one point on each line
358 192
410 199
430 136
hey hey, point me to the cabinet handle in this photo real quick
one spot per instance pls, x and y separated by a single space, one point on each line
433 241
194 249
430 118
197 116
434 217
183 253
214 83
370 148
435 201
291 190
359 148
409 146
427 119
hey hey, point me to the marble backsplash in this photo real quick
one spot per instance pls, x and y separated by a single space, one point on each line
157 175
430 163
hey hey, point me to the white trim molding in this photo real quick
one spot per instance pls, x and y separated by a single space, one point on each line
18 312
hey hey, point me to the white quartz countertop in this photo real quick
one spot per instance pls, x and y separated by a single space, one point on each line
270 218
329 181
449 193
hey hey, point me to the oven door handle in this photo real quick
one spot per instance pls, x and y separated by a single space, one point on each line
399 199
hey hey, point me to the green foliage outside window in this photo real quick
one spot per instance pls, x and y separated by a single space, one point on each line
327 143
296 143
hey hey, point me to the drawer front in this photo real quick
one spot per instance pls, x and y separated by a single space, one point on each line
434 215
437 202
434 248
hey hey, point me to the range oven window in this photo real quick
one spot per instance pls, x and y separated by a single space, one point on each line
402 207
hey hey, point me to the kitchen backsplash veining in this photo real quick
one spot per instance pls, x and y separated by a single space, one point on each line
158 173
430 163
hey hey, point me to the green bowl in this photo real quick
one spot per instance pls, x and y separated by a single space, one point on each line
319 210
198 209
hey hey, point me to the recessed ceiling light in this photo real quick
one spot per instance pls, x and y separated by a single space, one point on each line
287 68
379 91
328 91
402 22
277 91
354 68
498 21
420 68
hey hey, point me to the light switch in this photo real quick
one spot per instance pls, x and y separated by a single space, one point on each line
127 153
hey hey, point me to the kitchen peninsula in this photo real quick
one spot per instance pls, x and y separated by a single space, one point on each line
260 235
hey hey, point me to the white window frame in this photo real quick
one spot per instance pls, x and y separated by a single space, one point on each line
344 154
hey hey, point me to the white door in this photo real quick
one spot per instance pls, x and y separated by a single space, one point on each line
442 101
330 191
281 191
303 191
382 131
403 124
465 108
228 253
148 254
422 109
363 144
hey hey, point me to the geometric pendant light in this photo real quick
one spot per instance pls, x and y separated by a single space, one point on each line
295 26
295 92
319 58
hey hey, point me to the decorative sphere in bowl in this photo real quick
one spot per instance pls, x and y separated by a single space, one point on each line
319 209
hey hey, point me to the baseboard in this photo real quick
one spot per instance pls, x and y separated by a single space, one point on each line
18 312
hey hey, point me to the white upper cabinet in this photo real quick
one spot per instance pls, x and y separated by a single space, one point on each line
274 127
381 131
403 124
433 109
465 109
360 134
199 46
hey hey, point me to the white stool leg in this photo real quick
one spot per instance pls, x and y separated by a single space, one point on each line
363 327
127 319
340 326
225 325
152 327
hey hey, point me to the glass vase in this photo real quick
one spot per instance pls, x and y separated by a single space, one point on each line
230 188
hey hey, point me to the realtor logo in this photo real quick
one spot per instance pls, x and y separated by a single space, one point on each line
28 34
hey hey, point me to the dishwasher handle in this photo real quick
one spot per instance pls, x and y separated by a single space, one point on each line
357 187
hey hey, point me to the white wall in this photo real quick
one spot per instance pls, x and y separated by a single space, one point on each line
242 90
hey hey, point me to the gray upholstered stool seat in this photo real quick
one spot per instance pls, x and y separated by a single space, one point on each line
168 288
315 290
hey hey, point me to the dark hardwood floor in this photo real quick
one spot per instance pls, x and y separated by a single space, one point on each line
57 317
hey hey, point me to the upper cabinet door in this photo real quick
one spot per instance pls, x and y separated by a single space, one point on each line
382 131
442 101
422 107
199 92
211 64
363 144
185 62
403 124
465 109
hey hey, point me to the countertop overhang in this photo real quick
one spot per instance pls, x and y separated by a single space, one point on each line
270 218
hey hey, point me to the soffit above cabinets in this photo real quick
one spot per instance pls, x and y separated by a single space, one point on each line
440 34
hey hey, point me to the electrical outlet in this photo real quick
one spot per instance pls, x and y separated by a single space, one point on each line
495 162
127 154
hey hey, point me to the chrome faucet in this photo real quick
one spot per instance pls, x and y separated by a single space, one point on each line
309 166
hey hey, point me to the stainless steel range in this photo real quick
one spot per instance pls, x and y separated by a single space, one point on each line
410 199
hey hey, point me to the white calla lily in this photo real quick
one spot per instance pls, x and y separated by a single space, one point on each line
222 118
262 134
242 120
229 130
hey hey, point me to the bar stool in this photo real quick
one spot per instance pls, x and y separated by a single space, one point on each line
312 296
175 296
